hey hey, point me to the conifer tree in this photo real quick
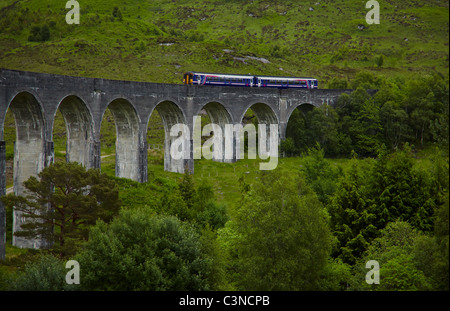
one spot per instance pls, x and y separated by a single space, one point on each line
63 202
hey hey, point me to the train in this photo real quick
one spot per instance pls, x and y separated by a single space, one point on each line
202 78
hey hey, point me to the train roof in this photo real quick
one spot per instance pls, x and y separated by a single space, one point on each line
285 78
221 74
247 76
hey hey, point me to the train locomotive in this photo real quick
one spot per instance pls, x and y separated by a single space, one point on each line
199 78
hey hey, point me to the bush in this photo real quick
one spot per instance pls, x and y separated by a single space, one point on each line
215 215
379 61
39 34
143 251
117 13
400 262
46 274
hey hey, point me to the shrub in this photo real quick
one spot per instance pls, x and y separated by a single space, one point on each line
143 251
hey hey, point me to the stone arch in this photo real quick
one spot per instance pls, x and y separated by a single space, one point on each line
126 122
218 112
30 154
79 130
265 115
292 127
171 114
263 112
304 108
220 115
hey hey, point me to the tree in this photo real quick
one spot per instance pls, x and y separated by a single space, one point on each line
365 80
441 264
337 83
201 206
368 128
351 220
394 123
287 146
307 128
359 125
398 191
426 101
187 188
336 276
279 238
140 250
319 174
214 215
45 33
64 202
360 121
47 273
395 251
295 130
39 34
323 129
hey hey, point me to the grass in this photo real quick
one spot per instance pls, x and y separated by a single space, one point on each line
325 42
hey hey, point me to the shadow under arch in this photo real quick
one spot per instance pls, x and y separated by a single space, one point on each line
79 130
265 116
296 128
303 108
219 115
30 155
170 114
126 122
264 113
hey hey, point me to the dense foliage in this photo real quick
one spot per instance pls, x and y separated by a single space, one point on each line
270 242
413 111
143 251
63 202
312 229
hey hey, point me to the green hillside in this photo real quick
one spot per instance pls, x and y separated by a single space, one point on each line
158 40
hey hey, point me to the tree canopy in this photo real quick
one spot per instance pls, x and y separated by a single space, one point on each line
271 235
140 250
63 202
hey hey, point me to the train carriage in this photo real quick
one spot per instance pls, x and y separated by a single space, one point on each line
199 78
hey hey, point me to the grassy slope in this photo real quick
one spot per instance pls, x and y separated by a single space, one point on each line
324 43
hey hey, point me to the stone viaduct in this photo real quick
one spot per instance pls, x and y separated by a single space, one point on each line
34 99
